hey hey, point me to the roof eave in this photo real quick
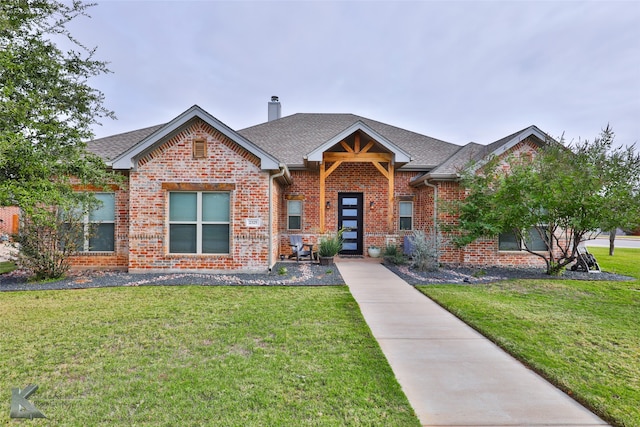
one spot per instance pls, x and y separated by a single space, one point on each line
428 177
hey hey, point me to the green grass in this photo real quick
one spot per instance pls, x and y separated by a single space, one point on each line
7 267
193 356
583 336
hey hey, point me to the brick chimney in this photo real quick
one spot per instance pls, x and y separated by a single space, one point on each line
275 109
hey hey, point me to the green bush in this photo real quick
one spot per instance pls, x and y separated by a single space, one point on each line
47 240
330 245
394 255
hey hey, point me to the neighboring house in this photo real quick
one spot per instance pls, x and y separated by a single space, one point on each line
9 221
200 196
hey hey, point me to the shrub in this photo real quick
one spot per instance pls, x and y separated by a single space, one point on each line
394 255
330 245
48 236
426 250
47 239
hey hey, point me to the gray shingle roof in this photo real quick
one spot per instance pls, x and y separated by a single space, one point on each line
460 159
111 147
291 138
473 152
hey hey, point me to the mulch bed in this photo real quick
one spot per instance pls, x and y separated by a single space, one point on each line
297 274
491 274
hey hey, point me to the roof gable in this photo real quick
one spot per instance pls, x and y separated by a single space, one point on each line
503 145
129 158
478 155
400 155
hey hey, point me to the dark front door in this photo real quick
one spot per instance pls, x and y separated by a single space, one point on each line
350 219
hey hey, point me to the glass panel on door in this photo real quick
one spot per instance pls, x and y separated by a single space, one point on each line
350 219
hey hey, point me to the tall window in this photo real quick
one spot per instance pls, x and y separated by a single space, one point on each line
508 241
406 215
294 214
199 222
99 226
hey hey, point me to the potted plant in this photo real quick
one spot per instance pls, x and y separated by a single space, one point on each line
374 251
329 247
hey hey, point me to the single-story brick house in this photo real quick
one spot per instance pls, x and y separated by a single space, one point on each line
200 196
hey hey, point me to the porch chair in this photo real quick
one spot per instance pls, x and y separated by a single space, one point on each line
298 248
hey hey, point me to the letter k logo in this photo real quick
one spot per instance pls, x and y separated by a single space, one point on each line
20 406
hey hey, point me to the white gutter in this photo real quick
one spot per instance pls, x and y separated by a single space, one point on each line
283 171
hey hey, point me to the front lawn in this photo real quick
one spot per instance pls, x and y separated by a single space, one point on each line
193 356
7 267
583 336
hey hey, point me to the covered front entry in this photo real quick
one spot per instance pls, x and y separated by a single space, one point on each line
358 144
350 220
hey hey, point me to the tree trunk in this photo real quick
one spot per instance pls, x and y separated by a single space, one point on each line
612 242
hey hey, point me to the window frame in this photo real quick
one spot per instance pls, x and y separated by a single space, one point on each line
87 223
400 216
199 223
521 245
289 215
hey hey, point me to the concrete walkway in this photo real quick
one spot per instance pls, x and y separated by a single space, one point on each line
451 374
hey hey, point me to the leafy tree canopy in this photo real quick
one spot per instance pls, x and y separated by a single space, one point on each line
47 107
562 193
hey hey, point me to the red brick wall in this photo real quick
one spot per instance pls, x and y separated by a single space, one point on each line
305 187
349 177
173 162
142 213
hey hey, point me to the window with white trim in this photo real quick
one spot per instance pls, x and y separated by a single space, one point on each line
99 226
508 241
406 215
294 214
199 222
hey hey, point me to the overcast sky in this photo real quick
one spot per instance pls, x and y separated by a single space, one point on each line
457 71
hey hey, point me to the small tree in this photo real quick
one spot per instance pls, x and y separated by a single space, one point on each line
561 194
47 110
621 178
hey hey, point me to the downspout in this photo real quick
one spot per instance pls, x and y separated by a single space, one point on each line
283 171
